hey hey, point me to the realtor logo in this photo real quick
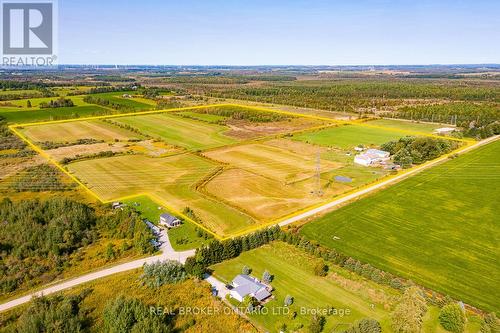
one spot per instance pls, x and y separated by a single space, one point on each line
28 32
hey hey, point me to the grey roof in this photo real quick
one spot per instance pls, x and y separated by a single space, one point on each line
168 218
244 290
242 279
377 152
247 285
262 294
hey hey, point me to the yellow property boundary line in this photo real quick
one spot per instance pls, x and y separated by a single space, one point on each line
14 128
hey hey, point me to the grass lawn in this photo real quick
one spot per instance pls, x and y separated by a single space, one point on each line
187 133
348 136
439 228
405 125
182 238
171 179
293 275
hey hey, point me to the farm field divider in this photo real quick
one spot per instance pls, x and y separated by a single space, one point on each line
14 128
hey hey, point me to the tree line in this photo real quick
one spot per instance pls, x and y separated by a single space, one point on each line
241 113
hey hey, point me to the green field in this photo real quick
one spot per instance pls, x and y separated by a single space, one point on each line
182 238
20 116
187 133
348 136
438 228
35 102
129 103
406 125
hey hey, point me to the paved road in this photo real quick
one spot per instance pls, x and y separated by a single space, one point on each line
167 253
375 187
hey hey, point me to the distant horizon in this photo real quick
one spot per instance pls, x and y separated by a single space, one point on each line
237 33
285 65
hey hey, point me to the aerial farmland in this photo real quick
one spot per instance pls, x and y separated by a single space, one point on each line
234 168
283 214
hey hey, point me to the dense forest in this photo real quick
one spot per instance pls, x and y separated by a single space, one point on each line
477 120
226 79
38 238
347 95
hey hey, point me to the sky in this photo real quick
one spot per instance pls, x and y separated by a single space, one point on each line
279 32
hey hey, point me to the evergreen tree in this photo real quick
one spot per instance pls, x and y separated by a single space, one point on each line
452 318
267 277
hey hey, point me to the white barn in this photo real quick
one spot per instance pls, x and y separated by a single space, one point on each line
372 156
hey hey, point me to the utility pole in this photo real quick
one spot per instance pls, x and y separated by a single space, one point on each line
318 175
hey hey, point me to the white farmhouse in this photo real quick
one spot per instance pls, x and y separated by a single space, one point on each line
245 285
169 221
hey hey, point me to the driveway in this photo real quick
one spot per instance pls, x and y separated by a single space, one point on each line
222 291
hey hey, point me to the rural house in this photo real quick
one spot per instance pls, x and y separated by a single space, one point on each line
245 285
169 221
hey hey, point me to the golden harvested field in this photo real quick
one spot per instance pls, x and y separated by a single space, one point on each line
265 199
242 129
268 161
72 131
171 179
120 176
